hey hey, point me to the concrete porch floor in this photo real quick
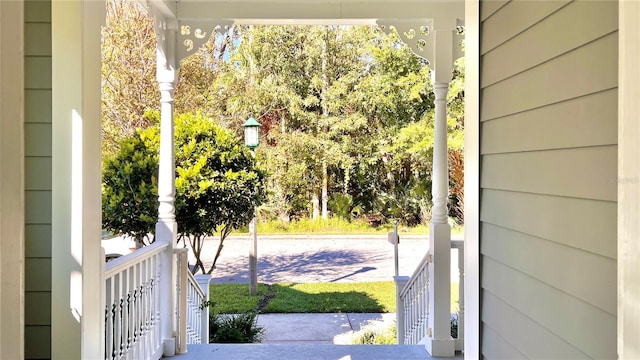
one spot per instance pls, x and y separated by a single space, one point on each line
309 337
306 352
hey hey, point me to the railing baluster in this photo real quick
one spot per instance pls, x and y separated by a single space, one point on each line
415 300
131 312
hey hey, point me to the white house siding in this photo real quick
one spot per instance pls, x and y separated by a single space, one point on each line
37 29
548 144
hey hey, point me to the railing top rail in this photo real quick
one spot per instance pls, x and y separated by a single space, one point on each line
455 244
194 282
423 263
117 265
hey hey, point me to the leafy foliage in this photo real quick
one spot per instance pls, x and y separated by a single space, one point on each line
347 112
237 328
331 105
218 185
130 187
374 333
129 87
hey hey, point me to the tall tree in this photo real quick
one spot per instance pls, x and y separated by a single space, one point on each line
128 71
343 91
129 85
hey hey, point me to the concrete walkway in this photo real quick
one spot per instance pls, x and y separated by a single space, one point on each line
317 328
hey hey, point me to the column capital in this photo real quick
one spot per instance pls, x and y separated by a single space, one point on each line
439 41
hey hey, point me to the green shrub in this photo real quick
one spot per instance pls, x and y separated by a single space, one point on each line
454 326
370 336
218 184
236 328
375 333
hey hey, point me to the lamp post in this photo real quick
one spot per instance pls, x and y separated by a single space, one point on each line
252 140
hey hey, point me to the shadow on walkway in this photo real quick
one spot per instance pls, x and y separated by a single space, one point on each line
310 266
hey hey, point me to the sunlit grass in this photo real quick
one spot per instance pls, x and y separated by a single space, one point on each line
357 297
363 297
337 226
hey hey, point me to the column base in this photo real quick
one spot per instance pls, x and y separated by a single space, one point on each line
441 348
169 347
167 231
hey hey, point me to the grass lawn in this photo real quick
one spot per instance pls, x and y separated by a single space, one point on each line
362 297
336 226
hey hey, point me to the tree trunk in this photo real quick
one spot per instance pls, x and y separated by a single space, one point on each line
325 114
316 206
325 190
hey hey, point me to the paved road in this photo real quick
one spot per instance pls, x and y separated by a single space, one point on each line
315 258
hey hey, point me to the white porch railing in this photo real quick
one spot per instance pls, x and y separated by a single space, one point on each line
412 301
412 309
132 313
193 313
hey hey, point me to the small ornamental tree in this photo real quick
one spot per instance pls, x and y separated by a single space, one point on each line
130 187
218 185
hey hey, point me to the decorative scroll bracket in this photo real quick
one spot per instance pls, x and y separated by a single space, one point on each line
193 34
416 34
439 42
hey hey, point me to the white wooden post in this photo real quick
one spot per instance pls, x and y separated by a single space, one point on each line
253 257
440 49
203 281
628 181
77 265
472 180
439 342
182 300
167 228
401 282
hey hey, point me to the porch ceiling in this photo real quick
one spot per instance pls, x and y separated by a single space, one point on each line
309 12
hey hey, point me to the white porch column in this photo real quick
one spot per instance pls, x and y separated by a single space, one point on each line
628 181
77 263
167 228
439 341
440 176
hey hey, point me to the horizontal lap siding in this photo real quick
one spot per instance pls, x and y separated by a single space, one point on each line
37 179
548 179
